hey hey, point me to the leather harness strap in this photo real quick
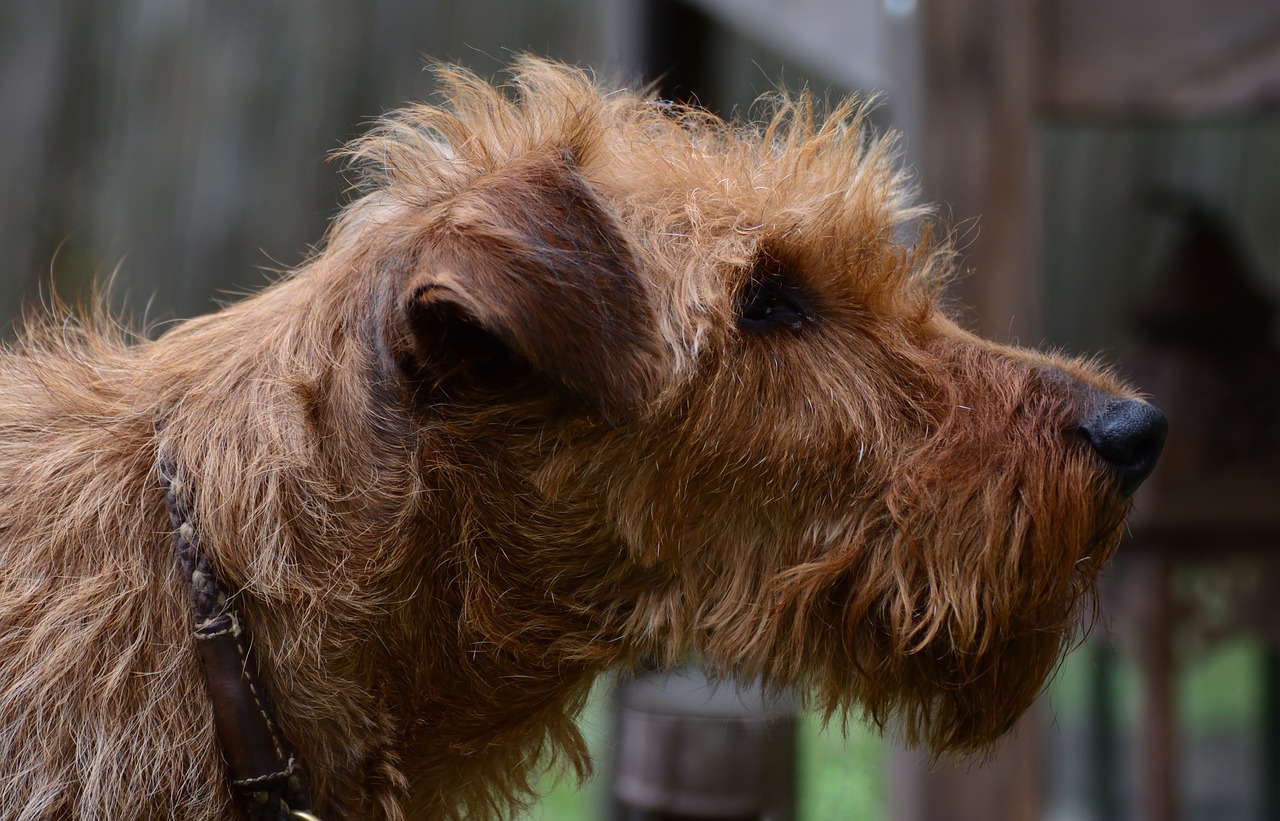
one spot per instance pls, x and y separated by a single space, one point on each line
265 775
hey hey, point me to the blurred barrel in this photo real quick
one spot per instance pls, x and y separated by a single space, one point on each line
690 749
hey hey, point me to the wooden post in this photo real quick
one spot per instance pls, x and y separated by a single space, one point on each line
689 749
980 83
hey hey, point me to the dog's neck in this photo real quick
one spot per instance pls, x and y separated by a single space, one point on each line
263 771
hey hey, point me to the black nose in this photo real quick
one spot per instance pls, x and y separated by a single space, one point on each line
1129 435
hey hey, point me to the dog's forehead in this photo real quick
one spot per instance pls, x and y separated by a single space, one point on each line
751 170
824 193
839 213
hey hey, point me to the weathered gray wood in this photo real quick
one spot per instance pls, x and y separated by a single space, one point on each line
845 41
1167 56
185 142
981 64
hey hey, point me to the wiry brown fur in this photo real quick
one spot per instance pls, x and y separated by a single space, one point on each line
505 432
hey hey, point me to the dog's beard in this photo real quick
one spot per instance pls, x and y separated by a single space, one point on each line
943 621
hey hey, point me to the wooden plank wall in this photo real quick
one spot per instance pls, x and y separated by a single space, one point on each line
185 142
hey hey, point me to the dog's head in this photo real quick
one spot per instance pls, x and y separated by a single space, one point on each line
726 411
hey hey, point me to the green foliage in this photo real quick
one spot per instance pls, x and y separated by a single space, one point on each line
841 775
1217 689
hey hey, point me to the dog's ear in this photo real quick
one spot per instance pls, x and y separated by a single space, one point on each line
528 267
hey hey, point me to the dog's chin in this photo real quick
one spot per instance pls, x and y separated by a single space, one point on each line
950 655
964 689
961 703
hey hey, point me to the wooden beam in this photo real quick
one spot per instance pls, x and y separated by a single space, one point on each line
1171 57
977 157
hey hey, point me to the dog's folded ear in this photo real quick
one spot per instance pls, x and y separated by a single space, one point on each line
528 267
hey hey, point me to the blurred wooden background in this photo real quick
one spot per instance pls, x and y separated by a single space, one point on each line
180 146
185 142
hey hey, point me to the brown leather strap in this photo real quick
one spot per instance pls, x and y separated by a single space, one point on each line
264 773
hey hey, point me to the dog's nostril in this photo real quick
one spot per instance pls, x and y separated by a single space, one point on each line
1129 435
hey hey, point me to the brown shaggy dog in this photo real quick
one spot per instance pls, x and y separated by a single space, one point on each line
581 381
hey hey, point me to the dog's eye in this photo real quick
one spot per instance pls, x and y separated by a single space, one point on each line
770 301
